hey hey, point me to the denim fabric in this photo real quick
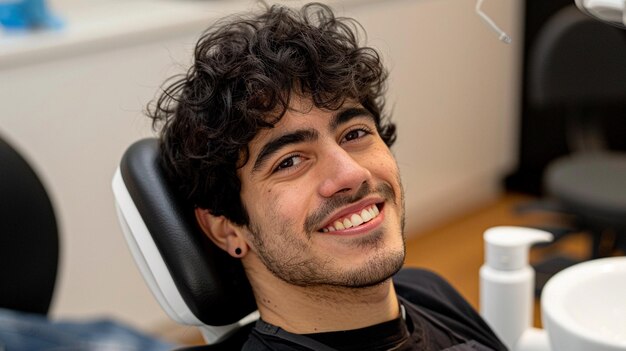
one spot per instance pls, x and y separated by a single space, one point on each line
31 332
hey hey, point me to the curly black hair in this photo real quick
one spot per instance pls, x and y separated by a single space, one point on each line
245 71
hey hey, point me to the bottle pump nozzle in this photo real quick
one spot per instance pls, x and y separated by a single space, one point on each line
506 248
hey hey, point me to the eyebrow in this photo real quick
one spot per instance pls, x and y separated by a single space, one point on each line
274 145
305 135
344 116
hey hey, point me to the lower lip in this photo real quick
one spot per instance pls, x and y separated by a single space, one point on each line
361 229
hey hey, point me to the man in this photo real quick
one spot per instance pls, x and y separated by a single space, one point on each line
277 133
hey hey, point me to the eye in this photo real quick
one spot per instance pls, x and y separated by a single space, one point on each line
356 134
288 162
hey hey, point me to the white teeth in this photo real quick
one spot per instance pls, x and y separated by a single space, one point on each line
354 220
347 224
371 212
366 216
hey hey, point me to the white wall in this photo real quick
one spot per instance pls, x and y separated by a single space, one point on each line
454 90
73 102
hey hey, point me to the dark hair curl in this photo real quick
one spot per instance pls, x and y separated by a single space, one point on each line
244 73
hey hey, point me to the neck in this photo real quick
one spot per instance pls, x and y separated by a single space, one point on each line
316 309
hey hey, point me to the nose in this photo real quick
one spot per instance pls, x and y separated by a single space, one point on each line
341 173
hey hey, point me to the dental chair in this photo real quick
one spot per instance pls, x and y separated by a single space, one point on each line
577 70
195 282
29 238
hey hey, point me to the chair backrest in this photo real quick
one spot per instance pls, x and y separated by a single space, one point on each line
29 238
577 60
195 282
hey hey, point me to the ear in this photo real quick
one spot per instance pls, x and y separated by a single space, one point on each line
225 234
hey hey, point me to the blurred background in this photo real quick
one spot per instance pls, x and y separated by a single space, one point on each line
72 98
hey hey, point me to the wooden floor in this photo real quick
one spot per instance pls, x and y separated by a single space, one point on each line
454 250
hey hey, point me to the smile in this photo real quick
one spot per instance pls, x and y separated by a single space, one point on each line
353 220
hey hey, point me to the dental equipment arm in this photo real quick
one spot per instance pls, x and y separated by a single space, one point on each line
501 34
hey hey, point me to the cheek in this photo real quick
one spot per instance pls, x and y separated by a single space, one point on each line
384 163
288 201
277 206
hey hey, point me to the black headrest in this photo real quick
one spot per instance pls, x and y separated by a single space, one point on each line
212 283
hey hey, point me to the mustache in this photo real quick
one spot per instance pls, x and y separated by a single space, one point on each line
313 221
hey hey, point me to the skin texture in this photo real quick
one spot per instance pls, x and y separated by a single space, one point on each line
313 168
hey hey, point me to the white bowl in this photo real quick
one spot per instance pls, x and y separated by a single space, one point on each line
584 306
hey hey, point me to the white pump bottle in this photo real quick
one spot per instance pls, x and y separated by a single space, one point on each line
507 285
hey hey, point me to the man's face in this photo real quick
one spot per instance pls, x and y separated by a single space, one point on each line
324 198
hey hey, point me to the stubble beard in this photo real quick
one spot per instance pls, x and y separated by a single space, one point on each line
293 267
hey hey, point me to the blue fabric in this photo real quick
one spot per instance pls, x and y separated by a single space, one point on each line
27 332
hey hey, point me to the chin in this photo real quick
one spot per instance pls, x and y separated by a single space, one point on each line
376 270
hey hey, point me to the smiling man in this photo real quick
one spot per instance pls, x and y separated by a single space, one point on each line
277 133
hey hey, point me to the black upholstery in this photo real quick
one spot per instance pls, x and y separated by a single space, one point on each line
594 185
577 69
577 61
211 282
29 239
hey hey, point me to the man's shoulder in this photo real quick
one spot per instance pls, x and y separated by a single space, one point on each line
417 283
431 291
408 274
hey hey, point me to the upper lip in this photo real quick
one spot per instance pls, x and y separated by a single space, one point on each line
354 208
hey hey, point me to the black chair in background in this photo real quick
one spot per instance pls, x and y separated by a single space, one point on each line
29 239
578 70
